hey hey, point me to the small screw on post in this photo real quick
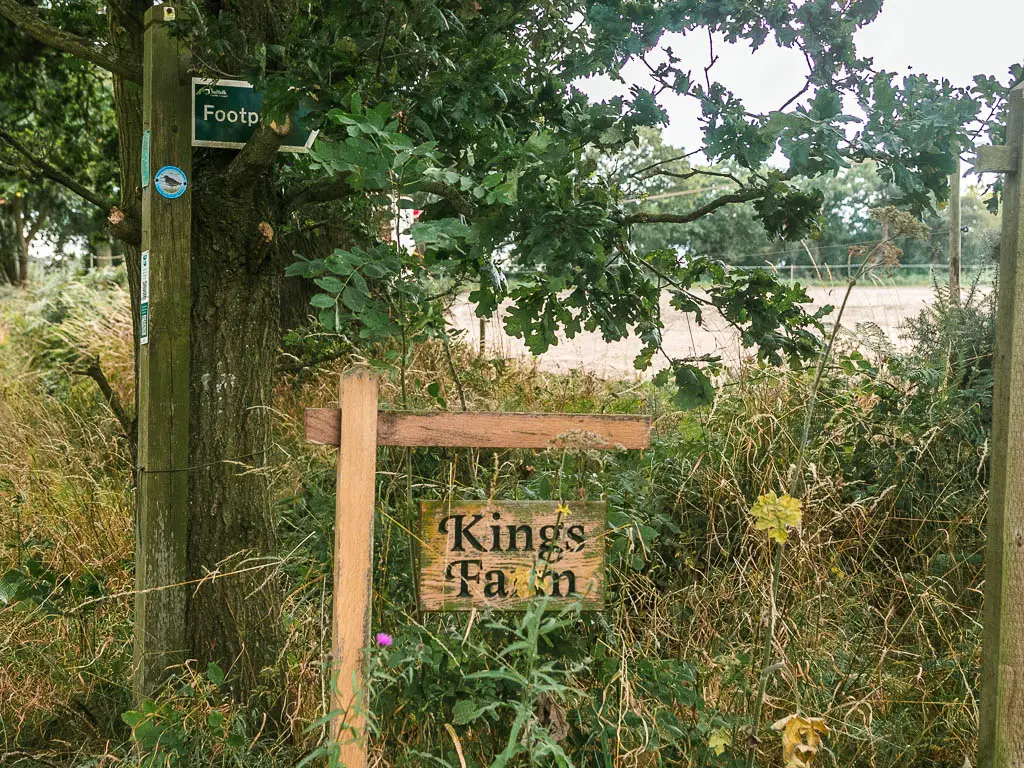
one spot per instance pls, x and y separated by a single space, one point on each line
169 13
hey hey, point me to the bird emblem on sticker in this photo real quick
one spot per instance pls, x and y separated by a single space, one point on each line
170 182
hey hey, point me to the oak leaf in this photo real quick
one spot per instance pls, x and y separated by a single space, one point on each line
719 740
776 514
801 739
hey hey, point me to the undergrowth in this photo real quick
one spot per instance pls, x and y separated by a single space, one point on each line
879 601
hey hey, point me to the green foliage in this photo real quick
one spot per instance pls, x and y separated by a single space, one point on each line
952 363
473 115
374 149
59 109
194 722
501 681
364 289
737 236
515 170
768 314
879 590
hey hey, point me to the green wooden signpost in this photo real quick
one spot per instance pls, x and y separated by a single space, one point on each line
225 114
165 284
179 112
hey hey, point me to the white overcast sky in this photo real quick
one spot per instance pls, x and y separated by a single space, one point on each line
955 39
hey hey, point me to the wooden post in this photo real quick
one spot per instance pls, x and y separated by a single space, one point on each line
357 428
955 237
353 562
1000 729
161 535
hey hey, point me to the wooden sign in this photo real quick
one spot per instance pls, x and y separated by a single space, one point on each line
357 428
225 113
499 554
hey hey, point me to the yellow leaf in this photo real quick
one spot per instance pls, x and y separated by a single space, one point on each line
719 740
776 514
521 581
801 739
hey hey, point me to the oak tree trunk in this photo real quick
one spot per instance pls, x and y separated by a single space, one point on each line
21 240
126 34
8 250
236 282
23 262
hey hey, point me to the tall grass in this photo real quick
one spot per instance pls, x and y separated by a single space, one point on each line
66 523
879 595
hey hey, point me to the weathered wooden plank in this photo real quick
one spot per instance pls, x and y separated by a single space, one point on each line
353 564
163 448
1000 735
997 159
490 430
482 553
323 426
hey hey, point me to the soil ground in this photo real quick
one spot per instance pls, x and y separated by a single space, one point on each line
886 307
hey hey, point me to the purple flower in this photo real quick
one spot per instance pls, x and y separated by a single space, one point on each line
384 639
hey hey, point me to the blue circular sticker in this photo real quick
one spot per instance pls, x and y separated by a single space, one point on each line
170 181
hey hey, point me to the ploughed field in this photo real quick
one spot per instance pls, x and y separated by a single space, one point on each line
870 309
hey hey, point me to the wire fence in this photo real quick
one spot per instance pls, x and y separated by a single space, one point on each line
924 274
834 274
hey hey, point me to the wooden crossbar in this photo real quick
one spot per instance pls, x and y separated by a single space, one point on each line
489 430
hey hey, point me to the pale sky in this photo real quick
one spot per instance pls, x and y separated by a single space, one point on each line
955 39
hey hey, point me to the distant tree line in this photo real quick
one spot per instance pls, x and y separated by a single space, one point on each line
650 175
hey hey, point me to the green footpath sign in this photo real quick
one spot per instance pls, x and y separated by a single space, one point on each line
225 114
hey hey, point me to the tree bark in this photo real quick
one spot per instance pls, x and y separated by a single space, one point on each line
21 225
8 247
233 620
126 34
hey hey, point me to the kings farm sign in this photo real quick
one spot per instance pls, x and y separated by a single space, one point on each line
499 554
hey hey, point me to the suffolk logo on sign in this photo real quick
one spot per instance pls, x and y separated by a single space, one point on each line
225 114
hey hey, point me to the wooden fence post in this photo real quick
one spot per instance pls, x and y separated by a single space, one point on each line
163 453
353 563
955 236
1001 725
